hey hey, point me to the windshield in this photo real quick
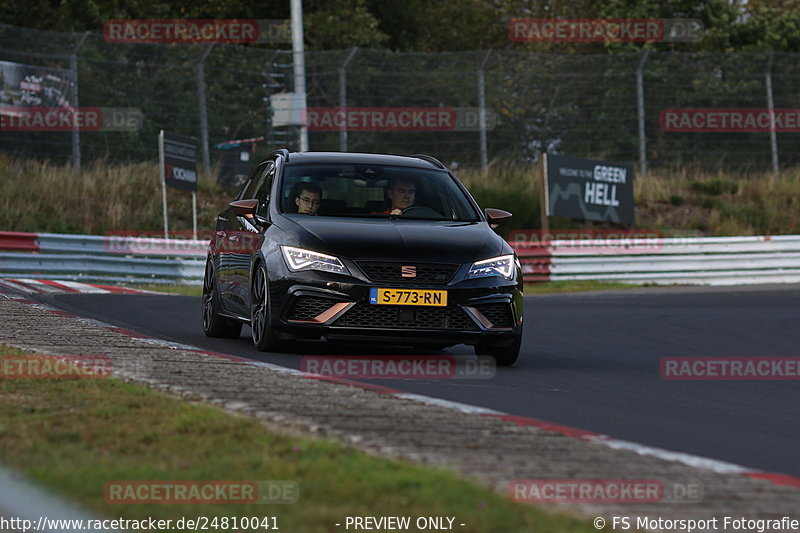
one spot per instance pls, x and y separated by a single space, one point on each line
375 191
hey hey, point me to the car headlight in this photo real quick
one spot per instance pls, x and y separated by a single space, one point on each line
502 266
299 259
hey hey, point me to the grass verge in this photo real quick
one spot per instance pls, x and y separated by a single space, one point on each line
549 287
74 436
184 290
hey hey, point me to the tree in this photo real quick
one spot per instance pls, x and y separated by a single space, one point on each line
338 24
768 25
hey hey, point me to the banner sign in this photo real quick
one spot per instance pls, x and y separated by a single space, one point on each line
180 161
589 190
288 109
26 86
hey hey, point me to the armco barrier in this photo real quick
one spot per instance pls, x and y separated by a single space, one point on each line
113 258
694 261
10 240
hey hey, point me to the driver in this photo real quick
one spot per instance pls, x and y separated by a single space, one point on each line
401 193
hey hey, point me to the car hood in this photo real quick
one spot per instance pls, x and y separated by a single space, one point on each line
387 239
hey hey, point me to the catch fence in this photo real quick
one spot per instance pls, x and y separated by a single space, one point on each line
507 105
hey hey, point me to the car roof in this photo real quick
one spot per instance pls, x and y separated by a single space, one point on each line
360 159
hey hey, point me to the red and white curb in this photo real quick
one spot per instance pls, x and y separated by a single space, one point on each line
702 463
47 286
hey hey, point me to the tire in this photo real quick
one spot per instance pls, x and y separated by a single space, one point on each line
502 355
215 325
264 336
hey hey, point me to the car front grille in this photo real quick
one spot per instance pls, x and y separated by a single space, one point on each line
499 314
389 316
308 307
393 272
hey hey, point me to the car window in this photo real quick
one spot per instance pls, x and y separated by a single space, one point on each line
264 188
254 182
364 190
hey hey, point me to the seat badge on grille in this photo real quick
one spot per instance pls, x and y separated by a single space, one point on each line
408 271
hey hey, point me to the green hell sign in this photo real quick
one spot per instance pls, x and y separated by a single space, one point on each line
586 189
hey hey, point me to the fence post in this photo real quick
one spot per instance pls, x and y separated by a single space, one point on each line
201 102
482 113
299 61
76 132
343 100
773 136
640 111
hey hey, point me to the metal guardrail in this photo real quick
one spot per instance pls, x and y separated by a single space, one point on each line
112 258
693 261
696 260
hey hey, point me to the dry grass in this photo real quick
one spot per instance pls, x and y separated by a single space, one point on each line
720 204
687 200
40 196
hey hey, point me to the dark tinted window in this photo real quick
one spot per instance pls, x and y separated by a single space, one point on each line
256 179
264 188
361 190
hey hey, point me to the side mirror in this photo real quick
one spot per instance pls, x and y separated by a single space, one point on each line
245 208
497 217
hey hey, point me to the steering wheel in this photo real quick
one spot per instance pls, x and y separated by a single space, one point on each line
421 211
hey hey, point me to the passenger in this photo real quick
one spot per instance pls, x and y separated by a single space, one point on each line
308 198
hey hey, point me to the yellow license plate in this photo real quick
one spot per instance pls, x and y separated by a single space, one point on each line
423 297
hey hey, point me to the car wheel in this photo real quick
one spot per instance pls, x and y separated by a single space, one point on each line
502 355
260 314
215 325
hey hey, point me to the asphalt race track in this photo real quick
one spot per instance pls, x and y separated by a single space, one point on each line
589 360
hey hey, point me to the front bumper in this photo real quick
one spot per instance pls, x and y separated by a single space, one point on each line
317 304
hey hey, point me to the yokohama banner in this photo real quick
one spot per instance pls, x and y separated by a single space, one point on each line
179 154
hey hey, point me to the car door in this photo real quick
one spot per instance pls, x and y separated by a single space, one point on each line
228 239
246 238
